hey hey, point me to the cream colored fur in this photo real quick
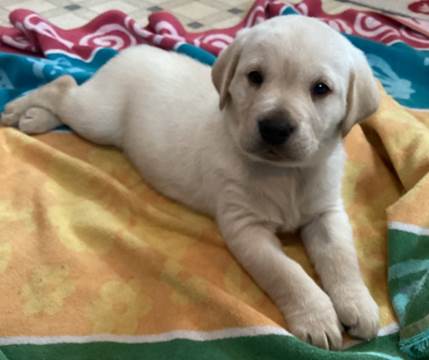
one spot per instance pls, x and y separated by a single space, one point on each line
199 144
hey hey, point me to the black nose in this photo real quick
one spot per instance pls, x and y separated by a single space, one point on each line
275 131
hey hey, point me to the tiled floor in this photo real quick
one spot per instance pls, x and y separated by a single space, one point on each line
197 15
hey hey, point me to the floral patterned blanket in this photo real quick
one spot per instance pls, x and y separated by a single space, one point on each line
95 264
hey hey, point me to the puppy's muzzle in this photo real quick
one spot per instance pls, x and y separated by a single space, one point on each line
275 130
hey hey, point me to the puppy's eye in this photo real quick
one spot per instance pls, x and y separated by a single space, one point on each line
255 78
320 89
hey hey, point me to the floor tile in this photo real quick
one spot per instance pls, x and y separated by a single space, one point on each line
235 10
160 1
4 17
195 10
67 20
229 22
58 3
85 13
35 5
72 7
154 8
116 5
195 25
140 16
196 15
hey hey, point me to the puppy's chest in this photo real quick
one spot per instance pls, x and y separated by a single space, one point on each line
280 203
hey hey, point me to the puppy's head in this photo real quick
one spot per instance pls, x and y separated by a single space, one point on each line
291 87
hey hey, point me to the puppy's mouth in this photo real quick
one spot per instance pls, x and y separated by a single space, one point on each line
277 155
272 154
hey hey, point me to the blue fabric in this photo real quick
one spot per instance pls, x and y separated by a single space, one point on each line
197 53
403 70
20 73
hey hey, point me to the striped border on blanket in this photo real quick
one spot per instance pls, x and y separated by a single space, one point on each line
250 343
408 277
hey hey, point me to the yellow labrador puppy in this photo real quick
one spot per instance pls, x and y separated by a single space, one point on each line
259 148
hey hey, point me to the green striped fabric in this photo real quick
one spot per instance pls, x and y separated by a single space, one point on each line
266 347
409 286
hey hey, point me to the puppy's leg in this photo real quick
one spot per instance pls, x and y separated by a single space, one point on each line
308 311
89 109
36 111
329 242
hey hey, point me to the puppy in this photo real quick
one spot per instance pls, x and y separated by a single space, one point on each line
261 151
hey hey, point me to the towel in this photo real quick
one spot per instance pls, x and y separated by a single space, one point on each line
90 254
96 264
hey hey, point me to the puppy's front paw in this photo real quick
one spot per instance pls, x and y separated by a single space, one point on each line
13 112
37 121
357 310
316 323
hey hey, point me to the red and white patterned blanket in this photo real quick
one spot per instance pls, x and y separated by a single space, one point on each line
31 34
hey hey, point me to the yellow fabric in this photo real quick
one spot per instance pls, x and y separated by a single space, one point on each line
87 247
405 140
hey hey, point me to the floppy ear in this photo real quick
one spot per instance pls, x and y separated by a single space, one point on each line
224 68
363 96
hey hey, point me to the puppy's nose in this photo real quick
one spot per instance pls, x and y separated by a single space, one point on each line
275 131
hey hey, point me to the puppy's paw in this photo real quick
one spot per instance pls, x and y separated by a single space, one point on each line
317 324
37 120
13 112
357 310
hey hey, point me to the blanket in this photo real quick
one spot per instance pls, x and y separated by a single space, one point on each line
96 264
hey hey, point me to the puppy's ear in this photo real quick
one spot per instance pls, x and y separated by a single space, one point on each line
363 96
224 68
